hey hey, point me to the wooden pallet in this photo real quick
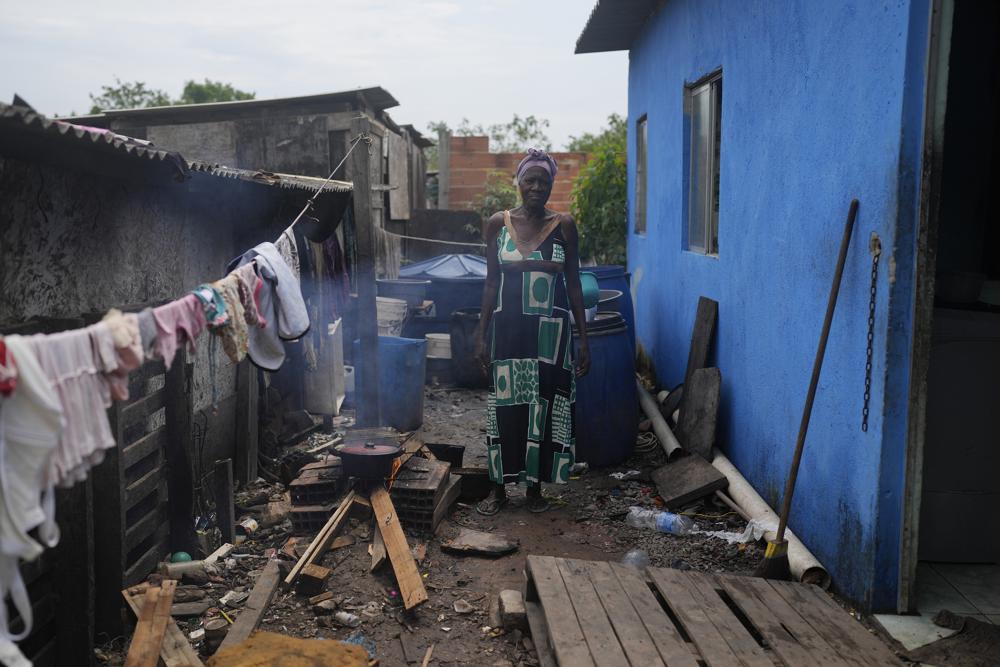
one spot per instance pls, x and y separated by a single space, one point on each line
597 613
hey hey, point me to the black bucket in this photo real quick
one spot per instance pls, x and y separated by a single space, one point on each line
467 371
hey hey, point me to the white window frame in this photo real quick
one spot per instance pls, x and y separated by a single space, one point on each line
703 187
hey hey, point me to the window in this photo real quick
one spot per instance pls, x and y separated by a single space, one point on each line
640 176
703 102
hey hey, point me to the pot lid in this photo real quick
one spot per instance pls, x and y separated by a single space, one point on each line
369 449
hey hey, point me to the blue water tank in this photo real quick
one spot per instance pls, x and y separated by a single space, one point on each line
612 276
607 406
402 363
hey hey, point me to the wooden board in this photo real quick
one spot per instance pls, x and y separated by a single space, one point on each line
568 641
411 586
686 479
672 647
602 613
594 622
324 538
144 651
175 651
701 339
696 423
377 550
635 641
260 597
540 634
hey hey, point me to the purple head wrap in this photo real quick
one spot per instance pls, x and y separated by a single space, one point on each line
536 157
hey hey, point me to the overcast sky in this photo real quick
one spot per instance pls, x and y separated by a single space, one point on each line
484 60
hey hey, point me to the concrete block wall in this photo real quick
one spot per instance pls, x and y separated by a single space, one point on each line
471 162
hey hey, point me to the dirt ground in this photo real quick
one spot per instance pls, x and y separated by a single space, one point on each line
586 521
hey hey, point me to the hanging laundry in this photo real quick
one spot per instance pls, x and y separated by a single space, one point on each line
281 305
147 332
30 426
336 266
289 251
184 316
216 314
234 336
76 363
128 349
8 371
250 285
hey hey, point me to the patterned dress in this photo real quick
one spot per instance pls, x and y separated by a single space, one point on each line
530 433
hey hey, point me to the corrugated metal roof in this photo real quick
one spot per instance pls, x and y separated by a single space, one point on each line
16 120
377 97
288 181
418 138
614 24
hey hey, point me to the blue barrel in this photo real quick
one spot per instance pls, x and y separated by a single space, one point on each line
612 276
402 363
607 407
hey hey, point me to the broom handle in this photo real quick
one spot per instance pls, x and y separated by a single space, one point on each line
793 473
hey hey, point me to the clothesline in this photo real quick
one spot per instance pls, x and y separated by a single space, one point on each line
421 238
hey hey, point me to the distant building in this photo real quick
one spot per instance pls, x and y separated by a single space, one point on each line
751 127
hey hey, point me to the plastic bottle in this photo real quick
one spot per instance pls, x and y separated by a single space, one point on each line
665 522
636 558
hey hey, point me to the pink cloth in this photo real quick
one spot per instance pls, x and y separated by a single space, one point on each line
75 363
185 316
249 283
128 350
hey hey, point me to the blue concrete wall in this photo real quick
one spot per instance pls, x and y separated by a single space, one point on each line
815 104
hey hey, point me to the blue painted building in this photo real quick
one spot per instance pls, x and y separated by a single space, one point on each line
752 125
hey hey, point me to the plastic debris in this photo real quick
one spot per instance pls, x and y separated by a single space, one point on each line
463 607
636 558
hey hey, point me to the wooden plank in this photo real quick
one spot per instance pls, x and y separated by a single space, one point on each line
687 478
153 619
540 634
366 368
146 563
142 408
178 385
702 587
175 650
143 447
323 538
142 487
696 423
701 339
711 644
73 575
673 649
567 638
778 637
411 586
377 550
144 527
790 619
260 597
841 631
222 486
594 622
632 635
247 427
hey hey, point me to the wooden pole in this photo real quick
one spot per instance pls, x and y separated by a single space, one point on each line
223 485
367 314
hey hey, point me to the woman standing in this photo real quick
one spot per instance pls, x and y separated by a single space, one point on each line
532 281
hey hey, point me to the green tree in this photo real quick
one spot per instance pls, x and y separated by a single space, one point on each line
600 195
212 91
135 95
614 134
127 95
500 194
517 136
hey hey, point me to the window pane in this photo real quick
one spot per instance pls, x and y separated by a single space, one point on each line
640 177
713 238
702 151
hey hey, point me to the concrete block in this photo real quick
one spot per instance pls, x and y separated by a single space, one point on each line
513 614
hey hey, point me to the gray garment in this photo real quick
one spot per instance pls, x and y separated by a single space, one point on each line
147 332
281 304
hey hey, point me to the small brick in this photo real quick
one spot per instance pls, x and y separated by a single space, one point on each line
512 612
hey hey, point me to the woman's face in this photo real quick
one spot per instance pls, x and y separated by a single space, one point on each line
535 186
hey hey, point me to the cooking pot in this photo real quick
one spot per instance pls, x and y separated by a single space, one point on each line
369 459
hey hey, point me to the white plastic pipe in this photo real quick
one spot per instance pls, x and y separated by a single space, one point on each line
804 566
660 427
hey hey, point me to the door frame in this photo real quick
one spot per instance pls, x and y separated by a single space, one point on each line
939 52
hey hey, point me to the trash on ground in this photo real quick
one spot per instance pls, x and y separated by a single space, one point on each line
476 542
665 522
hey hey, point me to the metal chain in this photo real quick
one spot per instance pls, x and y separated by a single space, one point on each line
875 248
